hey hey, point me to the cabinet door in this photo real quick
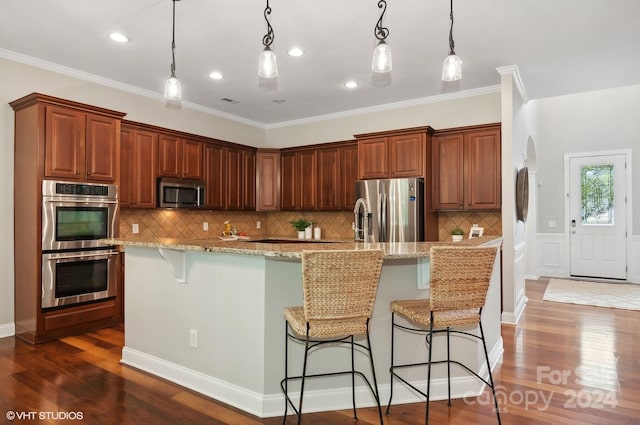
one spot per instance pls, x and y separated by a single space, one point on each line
233 198
102 148
482 170
144 169
373 158
214 176
348 176
307 179
448 175
406 155
126 166
329 178
249 180
64 143
192 159
169 156
267 181
288 181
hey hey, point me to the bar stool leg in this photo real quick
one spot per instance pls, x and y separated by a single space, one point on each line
391 368
493 387
304 374
286 371
430 336
376 393
353 380
448 368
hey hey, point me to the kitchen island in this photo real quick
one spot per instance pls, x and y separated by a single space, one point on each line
208 315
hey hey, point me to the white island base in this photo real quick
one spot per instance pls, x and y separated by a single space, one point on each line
213 322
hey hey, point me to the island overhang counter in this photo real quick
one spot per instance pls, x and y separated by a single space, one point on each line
208 315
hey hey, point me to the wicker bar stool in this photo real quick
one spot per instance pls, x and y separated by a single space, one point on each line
460 279
339 293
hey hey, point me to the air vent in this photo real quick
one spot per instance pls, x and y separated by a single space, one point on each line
228 100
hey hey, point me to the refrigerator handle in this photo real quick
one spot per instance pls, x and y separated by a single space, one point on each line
382 229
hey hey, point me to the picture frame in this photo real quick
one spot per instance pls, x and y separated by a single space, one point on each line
476 232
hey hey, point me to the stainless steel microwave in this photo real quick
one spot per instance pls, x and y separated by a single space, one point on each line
180 193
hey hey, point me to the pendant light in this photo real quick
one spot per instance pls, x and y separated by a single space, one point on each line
452 66
172 88
382 53
267 63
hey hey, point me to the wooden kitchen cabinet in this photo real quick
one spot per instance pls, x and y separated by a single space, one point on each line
62 140
249 180
393 154
466 168
180 157
138 167
337 174
214 176
267 180
80 146
299 179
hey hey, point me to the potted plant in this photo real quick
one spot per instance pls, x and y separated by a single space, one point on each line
457 234
300 225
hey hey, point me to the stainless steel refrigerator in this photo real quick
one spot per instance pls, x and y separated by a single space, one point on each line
390 210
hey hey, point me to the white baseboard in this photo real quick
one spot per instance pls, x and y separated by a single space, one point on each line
7 329
271 405
514 318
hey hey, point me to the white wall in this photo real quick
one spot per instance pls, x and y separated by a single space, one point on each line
585 122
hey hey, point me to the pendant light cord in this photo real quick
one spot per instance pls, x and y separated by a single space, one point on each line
269 36
173 42
451 43
381 32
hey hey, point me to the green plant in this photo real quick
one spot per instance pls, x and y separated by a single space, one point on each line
300 224
457 231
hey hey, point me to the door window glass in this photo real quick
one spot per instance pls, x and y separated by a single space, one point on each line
597 194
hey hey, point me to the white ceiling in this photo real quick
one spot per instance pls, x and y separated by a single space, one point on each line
559 46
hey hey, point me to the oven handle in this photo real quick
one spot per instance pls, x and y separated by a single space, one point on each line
70 257
79 201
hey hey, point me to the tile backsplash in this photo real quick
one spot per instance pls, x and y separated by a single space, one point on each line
188 224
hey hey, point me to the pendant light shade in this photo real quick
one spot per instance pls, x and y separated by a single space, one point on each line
381 58
452 68
381 61
172 88
452 65
267 62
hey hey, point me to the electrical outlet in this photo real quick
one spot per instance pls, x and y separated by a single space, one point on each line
258 224
193 338
205 226
135 228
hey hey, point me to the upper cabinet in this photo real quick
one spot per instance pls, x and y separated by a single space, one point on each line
337 174
299 179
466 168
268 180
80 146
180 157
214 175
138 170
393 154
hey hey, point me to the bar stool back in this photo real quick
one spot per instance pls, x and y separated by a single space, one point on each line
460 278
339 290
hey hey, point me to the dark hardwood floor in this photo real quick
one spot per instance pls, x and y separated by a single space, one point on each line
563 364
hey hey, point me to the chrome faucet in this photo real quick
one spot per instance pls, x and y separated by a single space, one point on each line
362 214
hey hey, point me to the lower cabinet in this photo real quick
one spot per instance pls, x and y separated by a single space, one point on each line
81 316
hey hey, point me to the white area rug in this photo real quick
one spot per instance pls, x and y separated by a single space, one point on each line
615 295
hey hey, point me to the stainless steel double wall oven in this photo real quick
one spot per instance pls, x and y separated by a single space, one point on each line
76 268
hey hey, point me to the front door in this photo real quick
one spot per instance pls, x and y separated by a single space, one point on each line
597 196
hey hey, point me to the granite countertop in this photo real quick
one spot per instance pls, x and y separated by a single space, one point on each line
292 249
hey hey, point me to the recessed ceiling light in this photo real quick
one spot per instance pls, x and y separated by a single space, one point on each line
216 75
295 52
351 84
120 38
